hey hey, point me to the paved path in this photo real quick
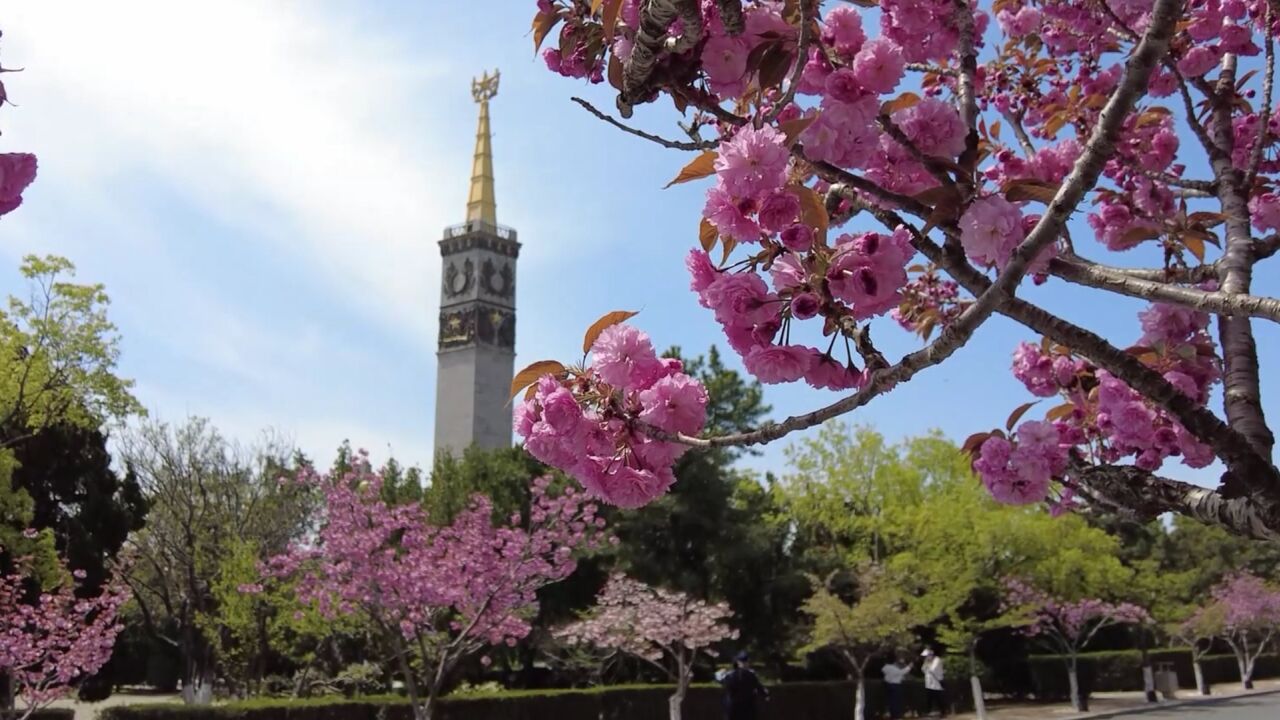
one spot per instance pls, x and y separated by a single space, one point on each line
1257 707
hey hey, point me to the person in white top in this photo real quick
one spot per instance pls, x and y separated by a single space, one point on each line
894 671
933 677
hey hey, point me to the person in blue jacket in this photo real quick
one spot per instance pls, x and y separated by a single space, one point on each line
742 690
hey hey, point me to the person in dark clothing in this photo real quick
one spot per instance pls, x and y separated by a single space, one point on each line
742 690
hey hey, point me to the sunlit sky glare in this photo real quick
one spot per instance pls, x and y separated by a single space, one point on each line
261 186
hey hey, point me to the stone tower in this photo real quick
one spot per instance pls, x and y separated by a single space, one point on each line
476 356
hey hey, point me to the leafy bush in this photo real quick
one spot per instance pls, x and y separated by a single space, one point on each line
1122 670
790 701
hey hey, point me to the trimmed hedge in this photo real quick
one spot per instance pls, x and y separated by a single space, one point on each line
1121 670
789 701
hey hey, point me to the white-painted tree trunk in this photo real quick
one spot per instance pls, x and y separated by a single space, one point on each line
979 702
199 691
1246 670
1201 684
1073 679
1149 683
674 704
860 700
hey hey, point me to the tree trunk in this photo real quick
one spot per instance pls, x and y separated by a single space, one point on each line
1201 684
1077 698
1148 675
674 703
1246 670
860 700
979 702
197 687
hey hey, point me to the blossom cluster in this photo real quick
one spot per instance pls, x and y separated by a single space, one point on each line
51 643
594 426
460 584
1068 624
648 622
1248 603
1102 415
17 170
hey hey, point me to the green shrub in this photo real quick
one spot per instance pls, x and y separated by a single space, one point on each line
1121 670
47 714
790 701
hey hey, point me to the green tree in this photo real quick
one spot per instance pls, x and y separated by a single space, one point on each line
206 496
877 621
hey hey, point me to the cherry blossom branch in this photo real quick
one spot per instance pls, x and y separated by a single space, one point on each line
669 144
1083 176
1024 140
1149 496
968 68
1083 272
650 40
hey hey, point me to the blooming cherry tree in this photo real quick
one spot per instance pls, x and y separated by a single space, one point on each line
435 594
665 628
1198 633
17 170
51 641
1249 612
1066 626
929 170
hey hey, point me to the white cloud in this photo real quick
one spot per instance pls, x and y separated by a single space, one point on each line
273 117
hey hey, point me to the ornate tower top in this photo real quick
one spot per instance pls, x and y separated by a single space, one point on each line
481 204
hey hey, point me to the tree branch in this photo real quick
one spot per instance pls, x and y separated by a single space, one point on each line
1149 496
802 59
651 39
1083 272
669 144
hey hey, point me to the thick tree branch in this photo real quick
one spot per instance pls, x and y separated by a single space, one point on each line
1083 272
1148 496
651 40
1242 395
802 59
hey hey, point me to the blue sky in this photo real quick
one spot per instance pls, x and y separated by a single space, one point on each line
261 187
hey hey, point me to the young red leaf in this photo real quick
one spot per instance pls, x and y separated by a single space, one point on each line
707 235
530 374
701 166
1017 414
600 325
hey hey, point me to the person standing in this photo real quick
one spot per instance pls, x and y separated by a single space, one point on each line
894 671
933 677
742 690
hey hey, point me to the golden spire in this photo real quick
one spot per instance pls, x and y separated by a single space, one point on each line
481 204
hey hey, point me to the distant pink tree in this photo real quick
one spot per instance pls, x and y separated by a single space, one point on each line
1068 626
439 593
51 641
665 628
1250 612
17 170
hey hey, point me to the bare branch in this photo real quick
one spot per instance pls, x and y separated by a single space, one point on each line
802 58
1268 82
1083 272
669 144
651 40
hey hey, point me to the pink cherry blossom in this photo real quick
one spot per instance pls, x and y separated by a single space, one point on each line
990 230
17 171
676 403
879 65
772 364
753 162
623 356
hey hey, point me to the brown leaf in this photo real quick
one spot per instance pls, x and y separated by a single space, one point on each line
729 245
865 3
700 167
1055 124
973 444
1138 234
595 6
1022 190
609 20
599 326
707 235
902 102
940 195
1206 219
791 129
530 374
995 130
1193 243
813 211
1017 414
1061 412
1151 116
926 327
543 22
774 66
